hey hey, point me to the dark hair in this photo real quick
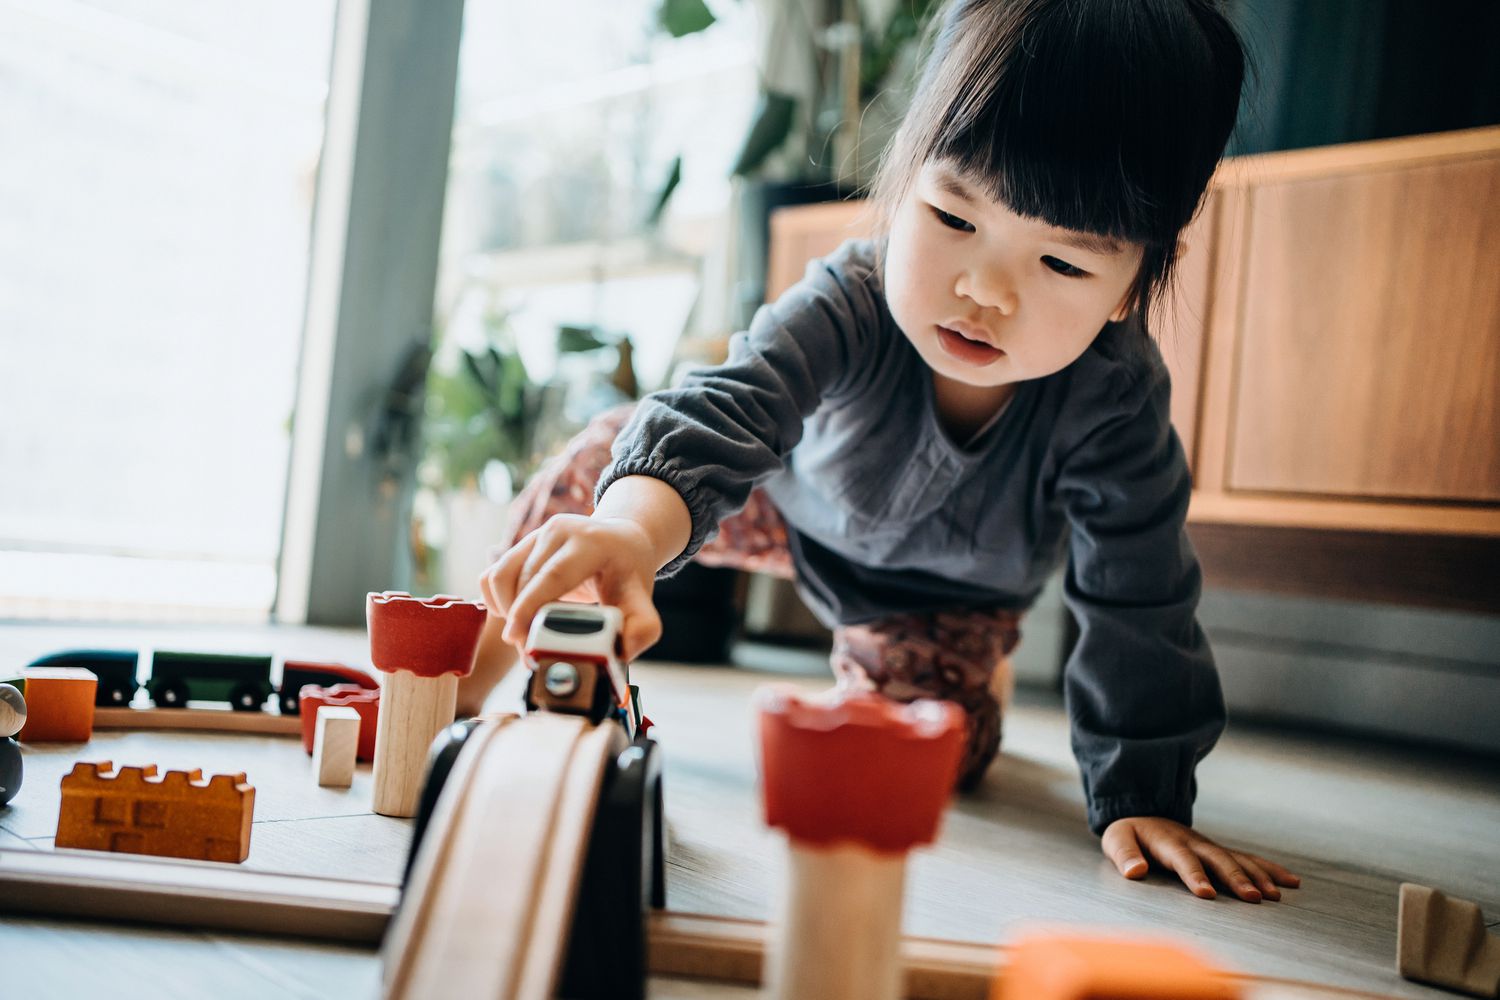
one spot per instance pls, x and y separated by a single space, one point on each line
1104 116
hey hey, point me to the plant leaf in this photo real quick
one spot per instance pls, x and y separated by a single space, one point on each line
674 177
684 17
774 114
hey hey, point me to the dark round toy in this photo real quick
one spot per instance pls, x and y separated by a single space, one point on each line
12 718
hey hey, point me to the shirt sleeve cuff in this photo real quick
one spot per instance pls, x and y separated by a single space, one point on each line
1103 812
697 504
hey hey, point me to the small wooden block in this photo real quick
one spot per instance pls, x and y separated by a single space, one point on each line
1443 941
178 815
59 705
335 745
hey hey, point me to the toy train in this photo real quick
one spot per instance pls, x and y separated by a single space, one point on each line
573 652
178 677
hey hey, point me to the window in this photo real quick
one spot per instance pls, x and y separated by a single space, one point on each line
158 183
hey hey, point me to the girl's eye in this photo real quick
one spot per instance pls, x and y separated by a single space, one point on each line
952 221
1063 267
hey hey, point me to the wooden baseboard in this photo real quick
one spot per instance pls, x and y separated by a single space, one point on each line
1437 571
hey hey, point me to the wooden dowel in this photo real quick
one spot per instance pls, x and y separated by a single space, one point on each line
840 936
413 710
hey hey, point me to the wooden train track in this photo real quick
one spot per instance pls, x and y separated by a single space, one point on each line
490 899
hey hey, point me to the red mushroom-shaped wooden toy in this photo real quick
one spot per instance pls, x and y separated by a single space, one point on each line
422 647
856 783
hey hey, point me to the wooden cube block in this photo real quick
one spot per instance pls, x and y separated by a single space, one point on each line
59 705
334 745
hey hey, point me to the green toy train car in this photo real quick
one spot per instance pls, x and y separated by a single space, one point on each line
243 681
177 677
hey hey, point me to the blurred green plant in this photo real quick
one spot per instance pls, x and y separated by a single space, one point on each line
483 405
881 39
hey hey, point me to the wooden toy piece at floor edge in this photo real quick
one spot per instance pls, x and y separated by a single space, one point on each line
1443 942
1083 966
12 718
59 705
422 647
334 745
856 782
178 815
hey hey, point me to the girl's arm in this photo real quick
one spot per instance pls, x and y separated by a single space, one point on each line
1142 690
726 428
690 456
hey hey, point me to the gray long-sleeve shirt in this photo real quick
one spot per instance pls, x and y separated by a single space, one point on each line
827 406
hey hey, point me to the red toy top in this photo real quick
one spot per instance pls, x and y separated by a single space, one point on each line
428 638
861 768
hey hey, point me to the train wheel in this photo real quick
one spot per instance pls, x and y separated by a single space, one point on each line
245 697
172 694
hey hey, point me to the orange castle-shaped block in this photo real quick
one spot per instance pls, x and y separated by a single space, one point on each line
177 815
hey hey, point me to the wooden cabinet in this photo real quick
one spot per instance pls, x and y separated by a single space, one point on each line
1334 339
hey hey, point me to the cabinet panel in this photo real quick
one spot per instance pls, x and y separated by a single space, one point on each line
1368 353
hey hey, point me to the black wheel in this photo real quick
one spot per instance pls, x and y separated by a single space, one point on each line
621 877
289 704
172 694
245 697
440 760
116 696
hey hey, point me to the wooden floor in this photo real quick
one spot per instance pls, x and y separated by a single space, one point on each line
1353 819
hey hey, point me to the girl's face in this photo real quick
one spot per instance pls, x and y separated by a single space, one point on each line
988 297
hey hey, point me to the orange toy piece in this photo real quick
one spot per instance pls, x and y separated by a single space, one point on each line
1080 967
59 705
178 815
365 701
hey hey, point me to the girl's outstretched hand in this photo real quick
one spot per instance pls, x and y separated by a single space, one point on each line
573 557
1128 842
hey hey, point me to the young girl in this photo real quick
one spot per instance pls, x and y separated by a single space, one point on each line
923 428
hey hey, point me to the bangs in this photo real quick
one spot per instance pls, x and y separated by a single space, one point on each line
1101 116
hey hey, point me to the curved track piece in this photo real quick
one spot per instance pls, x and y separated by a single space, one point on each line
445 750
491 894
607 946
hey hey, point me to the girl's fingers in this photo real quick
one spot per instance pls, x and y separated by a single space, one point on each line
1229 870
642 626
549 538
1179 857
1121 847
569 566
1280 875
1259 875
499 581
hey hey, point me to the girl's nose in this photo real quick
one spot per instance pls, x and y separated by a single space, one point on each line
990 288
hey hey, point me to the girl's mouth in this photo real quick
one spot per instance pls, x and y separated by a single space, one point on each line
970 352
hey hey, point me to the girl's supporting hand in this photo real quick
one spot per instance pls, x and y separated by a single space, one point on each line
1128 842
611 560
